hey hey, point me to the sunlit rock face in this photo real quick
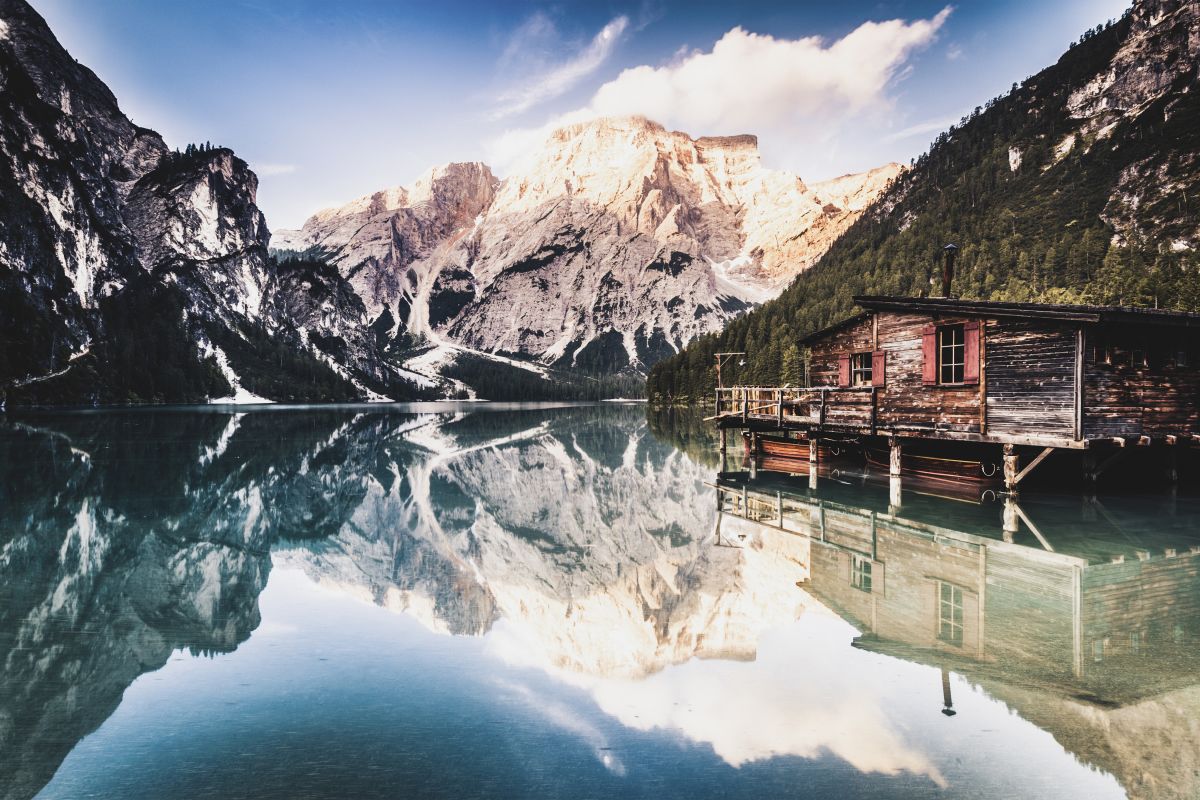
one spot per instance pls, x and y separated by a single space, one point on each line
200 214
612 245
384 243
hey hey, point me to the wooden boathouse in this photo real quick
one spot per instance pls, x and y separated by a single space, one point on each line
1013 381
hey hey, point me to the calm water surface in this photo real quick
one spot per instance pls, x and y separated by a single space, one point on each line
489 601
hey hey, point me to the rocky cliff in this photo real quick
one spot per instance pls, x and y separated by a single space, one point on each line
131 272
611 246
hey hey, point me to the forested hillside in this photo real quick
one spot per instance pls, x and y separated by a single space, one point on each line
1080 185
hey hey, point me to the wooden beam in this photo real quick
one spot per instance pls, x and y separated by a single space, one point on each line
1033 528
1079 350
1040 458
1012 465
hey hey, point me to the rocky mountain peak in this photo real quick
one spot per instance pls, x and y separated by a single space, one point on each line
611 245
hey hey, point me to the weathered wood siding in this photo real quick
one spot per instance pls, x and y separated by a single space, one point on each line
1155 399
1030 378
1027 383
824 355
1138 606
906 401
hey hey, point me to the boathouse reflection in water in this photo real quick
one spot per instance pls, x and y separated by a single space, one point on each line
1085 620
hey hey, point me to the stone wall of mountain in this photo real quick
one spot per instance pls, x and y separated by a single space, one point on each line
131 272
611 246
1079 185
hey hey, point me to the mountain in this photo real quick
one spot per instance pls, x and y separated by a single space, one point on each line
1079 185
611 246
131 272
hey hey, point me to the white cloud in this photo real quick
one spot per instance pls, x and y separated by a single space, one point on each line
784 90
929 126
559 78
274 169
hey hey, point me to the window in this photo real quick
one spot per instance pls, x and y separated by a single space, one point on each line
860 369
950 613
860 573
952 354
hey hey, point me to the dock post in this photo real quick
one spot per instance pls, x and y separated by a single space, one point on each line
1012 520
1012 467
1172 468
724 449
895 495
894 464
814 450
753 455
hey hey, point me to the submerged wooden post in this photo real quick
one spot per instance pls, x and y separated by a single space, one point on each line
1172 466
1012 519
753 455
724 449
1012 466
894 464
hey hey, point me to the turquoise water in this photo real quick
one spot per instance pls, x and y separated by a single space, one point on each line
499 601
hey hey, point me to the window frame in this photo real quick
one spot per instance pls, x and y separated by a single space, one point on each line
959 347
862 367
861 574
951 629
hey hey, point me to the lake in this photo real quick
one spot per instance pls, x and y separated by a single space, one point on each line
481 600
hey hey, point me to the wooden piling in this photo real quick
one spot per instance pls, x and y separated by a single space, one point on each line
1012 467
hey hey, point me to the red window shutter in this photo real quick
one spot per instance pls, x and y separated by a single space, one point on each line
929 355
844 370
971 353
878 361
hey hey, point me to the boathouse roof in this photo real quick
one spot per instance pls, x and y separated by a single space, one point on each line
1057 312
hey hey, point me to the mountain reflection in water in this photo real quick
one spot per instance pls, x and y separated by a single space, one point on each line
586 607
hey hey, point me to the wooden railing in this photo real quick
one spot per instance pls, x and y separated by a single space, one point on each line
821 406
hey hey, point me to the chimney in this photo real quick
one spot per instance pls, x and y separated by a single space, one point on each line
948 268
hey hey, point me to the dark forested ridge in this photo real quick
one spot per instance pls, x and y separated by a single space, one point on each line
1079 185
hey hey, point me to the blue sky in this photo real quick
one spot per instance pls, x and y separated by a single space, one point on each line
329 101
